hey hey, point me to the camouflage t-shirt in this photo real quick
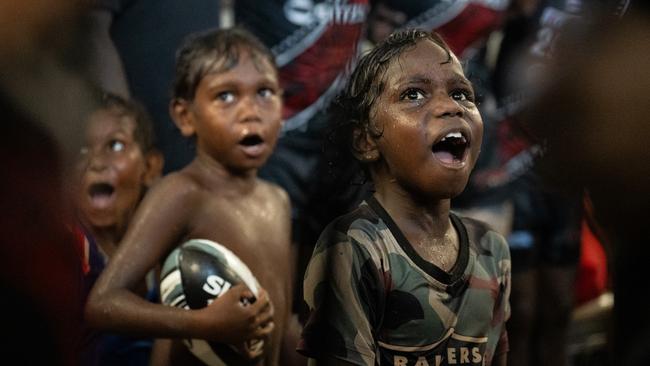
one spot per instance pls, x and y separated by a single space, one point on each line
374 301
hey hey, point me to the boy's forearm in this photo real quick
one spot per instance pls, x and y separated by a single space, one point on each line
106 65
125 312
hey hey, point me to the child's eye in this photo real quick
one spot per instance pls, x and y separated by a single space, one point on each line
462 95
266 92
83 152
116 145
226 97
412 94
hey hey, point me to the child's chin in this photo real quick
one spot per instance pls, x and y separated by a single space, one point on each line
250 166
258 163
455 190
102 222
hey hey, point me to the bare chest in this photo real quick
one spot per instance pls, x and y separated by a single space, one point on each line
253 229
258 232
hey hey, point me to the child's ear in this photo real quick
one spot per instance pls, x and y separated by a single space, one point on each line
154 162
364 146
179 109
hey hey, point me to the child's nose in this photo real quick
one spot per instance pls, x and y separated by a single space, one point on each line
97 160
446 106
249 109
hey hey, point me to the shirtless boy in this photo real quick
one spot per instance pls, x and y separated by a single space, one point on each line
228 99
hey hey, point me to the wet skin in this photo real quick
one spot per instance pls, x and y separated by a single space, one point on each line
235 116
426 96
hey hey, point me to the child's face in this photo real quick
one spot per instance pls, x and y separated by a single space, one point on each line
432 129
236 114
113 170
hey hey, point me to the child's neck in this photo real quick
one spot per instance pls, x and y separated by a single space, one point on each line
427 228
217 174
411 215
108 238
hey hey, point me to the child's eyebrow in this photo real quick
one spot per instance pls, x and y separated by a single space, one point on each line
415 79
423 79
461 79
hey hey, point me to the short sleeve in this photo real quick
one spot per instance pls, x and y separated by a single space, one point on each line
343 291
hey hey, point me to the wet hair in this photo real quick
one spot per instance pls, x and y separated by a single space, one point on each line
352 108
214 51
143 133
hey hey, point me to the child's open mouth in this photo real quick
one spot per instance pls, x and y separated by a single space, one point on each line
101 194
451 149
253 145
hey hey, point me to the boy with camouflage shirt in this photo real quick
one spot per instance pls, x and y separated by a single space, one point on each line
402 280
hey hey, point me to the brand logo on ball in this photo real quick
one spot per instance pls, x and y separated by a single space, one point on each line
215 285
195 274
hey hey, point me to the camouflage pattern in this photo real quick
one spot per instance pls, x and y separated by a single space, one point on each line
374 301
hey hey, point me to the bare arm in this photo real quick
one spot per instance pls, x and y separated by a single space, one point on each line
160 352
106 65
157 226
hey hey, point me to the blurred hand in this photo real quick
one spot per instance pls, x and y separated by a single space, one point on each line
251 349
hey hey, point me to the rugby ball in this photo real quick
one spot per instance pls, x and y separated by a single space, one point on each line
193 275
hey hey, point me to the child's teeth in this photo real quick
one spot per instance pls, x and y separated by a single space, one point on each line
453 134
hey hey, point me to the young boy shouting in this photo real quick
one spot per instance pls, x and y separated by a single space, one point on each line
402 280
227 97
116 166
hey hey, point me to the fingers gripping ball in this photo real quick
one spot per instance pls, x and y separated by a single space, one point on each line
196 273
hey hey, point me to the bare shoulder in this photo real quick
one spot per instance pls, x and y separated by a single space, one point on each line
172 202
178 194
176 184
275 194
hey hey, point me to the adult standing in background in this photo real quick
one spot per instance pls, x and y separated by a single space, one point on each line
598 95
43 101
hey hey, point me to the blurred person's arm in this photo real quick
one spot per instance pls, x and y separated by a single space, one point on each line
106 67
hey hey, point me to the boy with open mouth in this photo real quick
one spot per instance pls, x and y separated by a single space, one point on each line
402 280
